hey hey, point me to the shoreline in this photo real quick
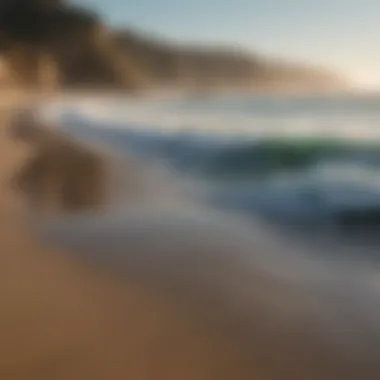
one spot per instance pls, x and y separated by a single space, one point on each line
63 317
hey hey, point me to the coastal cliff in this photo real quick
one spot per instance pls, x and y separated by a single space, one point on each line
54 44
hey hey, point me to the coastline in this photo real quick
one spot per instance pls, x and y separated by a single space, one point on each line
65 318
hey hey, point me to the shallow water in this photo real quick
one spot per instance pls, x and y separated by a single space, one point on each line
293 160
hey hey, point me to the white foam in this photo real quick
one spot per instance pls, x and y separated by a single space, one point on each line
170 116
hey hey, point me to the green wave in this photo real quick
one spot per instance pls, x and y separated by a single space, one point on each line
271 156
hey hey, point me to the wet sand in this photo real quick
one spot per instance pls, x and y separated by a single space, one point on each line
60 318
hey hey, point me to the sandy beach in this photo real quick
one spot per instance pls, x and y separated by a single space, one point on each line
62 319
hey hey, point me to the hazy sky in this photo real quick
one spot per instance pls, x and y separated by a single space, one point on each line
341 34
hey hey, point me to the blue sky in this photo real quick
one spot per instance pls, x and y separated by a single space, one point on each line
341 34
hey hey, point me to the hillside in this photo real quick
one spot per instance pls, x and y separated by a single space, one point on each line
207 67
53 44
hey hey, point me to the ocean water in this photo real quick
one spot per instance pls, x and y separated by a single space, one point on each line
310 161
